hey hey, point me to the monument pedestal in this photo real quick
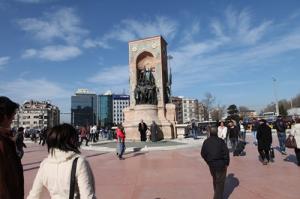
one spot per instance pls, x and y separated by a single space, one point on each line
148 113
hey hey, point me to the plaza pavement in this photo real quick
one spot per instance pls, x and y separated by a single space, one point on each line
178 172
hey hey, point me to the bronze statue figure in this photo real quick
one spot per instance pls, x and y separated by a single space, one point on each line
146 90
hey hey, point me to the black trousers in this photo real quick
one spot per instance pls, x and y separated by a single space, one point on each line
264 154
219 177
42 140
297 153
143 136
86 141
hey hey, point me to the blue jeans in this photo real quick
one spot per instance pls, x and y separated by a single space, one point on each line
254 135
194 132
243 135
121 149
281 139
233 142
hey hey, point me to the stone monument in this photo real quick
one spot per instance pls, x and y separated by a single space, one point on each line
149 89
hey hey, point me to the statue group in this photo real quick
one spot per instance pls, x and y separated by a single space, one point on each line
145 91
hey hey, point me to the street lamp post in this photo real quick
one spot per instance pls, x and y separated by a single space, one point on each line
275 94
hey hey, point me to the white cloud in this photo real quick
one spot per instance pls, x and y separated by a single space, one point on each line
115 78
59 53
212 60
295 14
39 89
4 60
190 33
28 53
53 53
89 43
130 29
63 25
237 26
111 75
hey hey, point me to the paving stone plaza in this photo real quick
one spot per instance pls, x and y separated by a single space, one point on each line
175 170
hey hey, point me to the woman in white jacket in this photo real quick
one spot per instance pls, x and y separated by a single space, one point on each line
55 171
295 131
222 131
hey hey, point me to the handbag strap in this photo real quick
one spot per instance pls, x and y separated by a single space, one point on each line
72 182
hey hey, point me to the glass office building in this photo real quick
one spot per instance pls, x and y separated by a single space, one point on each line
105 117
83 108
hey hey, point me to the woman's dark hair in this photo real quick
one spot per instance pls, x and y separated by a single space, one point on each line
63 137
219 124
7 108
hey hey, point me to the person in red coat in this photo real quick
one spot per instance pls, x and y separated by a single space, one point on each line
11 170
120 141
83 135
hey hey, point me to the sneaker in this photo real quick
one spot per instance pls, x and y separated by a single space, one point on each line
265 162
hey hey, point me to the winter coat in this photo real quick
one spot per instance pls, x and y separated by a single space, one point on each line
11 170
264 137
215 152
20 141
233 132
222 132
120 135
153 130
55 174
143 128
295 131
83 133
280 125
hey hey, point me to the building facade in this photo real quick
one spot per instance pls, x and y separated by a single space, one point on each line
83 108
104 114
202 112
178 108
190 110
119 103
37 115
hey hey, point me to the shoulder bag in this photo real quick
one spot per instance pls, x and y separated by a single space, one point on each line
291 142
73 179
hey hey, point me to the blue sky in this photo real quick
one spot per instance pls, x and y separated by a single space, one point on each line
49 48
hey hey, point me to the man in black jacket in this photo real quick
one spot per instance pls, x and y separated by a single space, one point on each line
264 141
215 153
280 128
143 129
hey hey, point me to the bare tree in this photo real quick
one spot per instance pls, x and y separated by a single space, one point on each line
243 109
270 107
208 101
296 101
218 112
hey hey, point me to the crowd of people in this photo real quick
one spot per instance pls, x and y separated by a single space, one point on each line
216 153
63 146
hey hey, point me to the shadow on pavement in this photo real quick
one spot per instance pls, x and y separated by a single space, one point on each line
136 154
230 184
97 154
291 158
